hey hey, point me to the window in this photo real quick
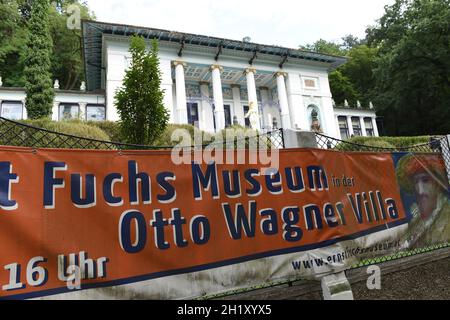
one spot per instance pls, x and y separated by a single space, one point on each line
356 126
343 127
192 110
95 112
12 110
227 110
369 127
69 111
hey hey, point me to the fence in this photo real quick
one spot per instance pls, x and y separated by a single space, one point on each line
438 145
325 142
13 133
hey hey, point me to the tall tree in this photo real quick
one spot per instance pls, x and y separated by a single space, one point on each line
38 79
66 56
342 88
67 64
140 100
324 46
413 72
359 71
350 41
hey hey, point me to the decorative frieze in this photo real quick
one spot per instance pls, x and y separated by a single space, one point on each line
228 93
193 91
244 94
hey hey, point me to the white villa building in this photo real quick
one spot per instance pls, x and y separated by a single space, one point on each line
211 83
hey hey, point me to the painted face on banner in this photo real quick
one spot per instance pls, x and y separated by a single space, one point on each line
427 191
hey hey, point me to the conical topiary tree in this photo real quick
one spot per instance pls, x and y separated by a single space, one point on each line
38 80
140 100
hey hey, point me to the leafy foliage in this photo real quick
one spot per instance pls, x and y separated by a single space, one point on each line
73 127
67 63
323 46
65 56
38 80
359 71
413 73
165 139
397 142
403 66
342 88
111 128
140 101
13 33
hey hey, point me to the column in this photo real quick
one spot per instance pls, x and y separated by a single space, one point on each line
25 112
238 108
181 110
167 85
265 109
55 111
283 99
218 97
252 99
363 127
207 118
375 127
350 126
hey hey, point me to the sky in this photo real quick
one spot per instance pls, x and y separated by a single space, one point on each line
288 23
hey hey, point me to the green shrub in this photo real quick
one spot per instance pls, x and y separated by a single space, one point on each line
379 144
250 138
204 138
73 127
403 142
165 139
383 142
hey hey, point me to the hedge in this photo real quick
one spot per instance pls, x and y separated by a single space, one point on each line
111 128
343 146
28 138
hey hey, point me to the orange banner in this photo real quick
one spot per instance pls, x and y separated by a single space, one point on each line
129 217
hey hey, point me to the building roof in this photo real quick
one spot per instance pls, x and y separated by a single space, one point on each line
93 31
